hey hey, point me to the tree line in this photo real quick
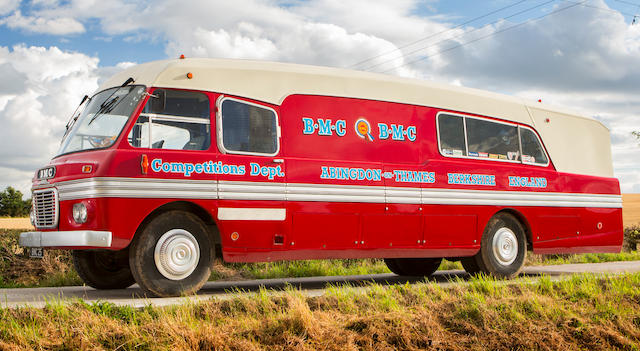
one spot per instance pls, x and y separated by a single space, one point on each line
12 204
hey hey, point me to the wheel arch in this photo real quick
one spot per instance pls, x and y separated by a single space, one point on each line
189 207
523 221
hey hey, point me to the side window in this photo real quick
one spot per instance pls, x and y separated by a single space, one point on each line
451 131
532 151
175 120
493 140
248 128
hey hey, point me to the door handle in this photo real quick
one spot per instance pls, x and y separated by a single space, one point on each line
278 160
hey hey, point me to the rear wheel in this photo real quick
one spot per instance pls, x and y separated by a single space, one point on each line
413 266
470 265
173 255
503 247
103 269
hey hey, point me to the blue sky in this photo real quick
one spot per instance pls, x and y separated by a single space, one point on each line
586 57
112 49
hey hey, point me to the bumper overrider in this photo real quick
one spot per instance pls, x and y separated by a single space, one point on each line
74 238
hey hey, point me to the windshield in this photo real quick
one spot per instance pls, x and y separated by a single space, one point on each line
102 120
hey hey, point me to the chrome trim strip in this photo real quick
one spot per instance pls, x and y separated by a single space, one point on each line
251 214
78 238
138 188
242 190
515 198
403 195
228 190
335 193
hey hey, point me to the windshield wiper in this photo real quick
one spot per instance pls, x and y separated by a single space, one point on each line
74 116
110 104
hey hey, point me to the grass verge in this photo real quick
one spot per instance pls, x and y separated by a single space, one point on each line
56 269
584 312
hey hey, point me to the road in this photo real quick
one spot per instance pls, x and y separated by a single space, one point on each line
313 286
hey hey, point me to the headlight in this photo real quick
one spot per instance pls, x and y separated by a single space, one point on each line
32 216
79 213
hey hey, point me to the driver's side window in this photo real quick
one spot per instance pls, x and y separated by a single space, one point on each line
174 120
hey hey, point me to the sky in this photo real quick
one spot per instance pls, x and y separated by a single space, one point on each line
580 54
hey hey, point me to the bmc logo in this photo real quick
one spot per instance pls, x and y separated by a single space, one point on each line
328 127
397 132
324 127
47 173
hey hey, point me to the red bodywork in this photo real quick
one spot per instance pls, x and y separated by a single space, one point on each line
327 229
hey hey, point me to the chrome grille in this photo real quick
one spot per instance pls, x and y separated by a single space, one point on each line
45 204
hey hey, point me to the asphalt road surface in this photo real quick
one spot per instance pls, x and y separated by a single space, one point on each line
312 286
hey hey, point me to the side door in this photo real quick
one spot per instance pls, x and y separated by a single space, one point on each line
251 176
171 145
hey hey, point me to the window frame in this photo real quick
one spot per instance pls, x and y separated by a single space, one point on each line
220 131
544 150
466 138
169 118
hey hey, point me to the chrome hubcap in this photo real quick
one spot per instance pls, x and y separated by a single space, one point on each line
505 246
177 254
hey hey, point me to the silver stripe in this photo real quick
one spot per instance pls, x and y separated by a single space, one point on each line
137 188
403 195
335 193
518 198
251 191
231 190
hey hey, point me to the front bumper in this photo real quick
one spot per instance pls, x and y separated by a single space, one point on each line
75 238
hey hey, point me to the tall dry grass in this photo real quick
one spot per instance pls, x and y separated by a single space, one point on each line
586 312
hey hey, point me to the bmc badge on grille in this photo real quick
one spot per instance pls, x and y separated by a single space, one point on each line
47 173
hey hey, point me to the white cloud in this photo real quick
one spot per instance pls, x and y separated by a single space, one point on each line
46 85
237 44
54 26
8 6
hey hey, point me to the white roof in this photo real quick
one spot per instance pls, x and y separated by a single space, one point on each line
272 82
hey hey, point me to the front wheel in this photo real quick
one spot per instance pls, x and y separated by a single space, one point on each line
173 255
503 247
413 266
103 269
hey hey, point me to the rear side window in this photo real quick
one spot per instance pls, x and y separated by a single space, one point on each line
452 141
248 128
173 120
532 151
475 137
497 140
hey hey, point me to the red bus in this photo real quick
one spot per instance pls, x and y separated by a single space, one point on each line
174 163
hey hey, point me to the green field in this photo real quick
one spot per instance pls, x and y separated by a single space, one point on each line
584 312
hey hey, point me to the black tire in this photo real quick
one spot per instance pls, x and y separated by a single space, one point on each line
413 266
393 267
470 265
493 263
143 248
103 269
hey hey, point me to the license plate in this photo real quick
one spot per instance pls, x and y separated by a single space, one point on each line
36 252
